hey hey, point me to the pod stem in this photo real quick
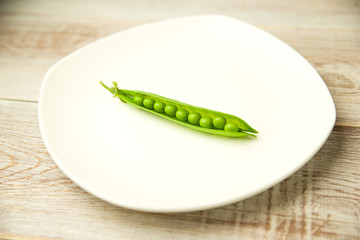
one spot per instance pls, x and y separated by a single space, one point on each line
114 90
108 88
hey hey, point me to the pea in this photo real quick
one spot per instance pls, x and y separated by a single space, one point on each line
219 122
170 110
194 118
138 100
231 127
148 103
182 115
206 122
197 118
159 106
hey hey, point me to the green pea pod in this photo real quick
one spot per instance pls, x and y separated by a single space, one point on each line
197 118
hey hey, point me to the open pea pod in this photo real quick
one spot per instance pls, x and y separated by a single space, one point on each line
197 118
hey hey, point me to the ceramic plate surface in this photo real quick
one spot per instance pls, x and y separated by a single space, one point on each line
140 161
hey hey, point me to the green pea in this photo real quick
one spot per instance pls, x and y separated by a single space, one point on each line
219 122
138 100
206 122
148 103
159 106
182 115
170 110
231 127
194 118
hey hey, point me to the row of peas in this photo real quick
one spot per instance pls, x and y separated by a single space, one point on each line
183 115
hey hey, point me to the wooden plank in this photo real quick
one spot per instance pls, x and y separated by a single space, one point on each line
34 36
344 13
37 201
33 43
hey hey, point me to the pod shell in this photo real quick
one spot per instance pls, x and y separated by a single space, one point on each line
128 95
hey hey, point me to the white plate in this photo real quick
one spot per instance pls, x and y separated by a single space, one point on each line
139 161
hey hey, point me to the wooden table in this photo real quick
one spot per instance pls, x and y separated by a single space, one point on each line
37 201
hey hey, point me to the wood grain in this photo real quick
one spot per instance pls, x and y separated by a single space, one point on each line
47 30
37 201
321 200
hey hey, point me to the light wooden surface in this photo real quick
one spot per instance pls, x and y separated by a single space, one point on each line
37 201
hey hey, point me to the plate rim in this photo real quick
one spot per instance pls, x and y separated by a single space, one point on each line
116 202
